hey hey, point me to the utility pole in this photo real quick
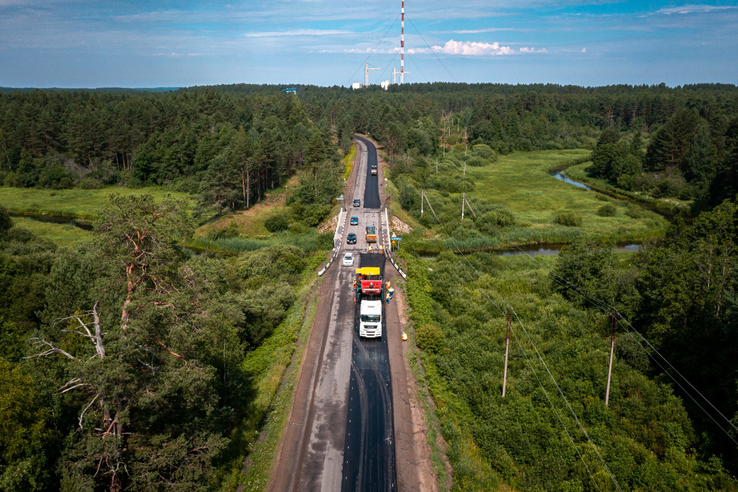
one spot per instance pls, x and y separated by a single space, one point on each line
463 195
507 347
422 197
613 325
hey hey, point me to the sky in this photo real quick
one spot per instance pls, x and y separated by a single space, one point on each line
162 43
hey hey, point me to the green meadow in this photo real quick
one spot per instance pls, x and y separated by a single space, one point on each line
73 203
521 181
61 234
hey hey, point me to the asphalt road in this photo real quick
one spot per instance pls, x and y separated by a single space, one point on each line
313 455
369 453
371 190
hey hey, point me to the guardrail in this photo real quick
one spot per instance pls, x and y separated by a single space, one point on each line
337 241
388 243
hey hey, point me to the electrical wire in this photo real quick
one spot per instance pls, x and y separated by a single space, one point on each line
431 50
581 426
374 49
628 326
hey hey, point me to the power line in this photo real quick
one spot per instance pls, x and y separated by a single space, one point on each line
576 418
630 328
366 60
432 51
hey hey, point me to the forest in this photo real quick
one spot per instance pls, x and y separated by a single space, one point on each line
130 363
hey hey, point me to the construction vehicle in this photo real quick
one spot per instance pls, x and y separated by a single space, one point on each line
369 287
371 233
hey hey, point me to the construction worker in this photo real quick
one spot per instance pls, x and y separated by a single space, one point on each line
370 249
390 294
381 250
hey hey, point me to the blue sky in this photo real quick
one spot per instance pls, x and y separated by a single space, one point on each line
159 43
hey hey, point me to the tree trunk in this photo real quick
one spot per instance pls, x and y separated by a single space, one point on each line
243 186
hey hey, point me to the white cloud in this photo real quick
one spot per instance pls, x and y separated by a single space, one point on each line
693 9
473 48
584 50
296 32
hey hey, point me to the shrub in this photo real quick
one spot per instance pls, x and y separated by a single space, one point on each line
475 161
568 219
277 223
607 211
485 152
430 338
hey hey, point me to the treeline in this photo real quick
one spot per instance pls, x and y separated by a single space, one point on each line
259 135
125 365
693 155
228 148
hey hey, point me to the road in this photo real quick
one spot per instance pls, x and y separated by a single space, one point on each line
369 453
313 452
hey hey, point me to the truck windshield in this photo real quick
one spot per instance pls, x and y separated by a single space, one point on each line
370 318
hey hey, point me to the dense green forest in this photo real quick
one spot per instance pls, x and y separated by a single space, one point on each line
127 363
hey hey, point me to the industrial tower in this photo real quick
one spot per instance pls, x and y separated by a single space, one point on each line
402 45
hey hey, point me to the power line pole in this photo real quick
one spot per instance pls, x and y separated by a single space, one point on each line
422 197
507 348
613 325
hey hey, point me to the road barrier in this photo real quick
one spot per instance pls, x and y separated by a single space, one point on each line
337 241
388 245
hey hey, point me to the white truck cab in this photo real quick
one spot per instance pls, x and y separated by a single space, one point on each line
370 319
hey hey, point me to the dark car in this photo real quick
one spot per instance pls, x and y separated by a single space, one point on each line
351 238
354 221
357 202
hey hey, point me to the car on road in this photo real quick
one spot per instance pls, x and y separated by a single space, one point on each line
351 238
354 221
374 169
348 259
357 202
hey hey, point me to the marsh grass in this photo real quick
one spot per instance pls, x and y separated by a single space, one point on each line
521 183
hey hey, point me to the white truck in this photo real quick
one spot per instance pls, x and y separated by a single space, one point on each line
370 319
369 288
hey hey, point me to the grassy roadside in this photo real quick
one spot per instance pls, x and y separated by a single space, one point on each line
447 414
274 378
348 161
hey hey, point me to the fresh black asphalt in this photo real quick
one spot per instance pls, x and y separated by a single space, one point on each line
369 451
371 192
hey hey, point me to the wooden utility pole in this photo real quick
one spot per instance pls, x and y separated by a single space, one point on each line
613 325
507 348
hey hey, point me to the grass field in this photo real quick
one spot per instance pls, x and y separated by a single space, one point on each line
521 182
61 234
74 203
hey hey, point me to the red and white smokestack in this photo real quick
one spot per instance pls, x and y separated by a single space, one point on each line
402 46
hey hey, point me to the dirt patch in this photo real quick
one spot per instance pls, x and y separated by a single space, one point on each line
398 226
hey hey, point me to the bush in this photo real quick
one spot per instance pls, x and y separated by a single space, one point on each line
430 338
475 161
485 152
568 219
277 223
607 211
